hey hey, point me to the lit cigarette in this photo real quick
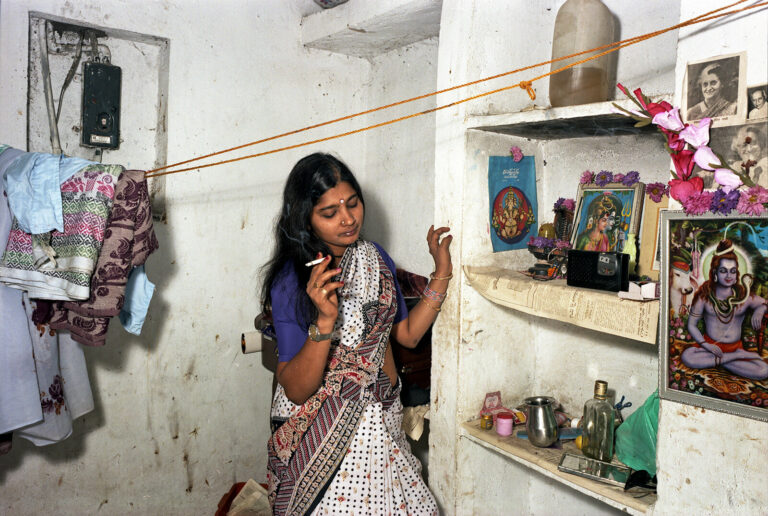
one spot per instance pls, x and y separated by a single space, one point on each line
314 262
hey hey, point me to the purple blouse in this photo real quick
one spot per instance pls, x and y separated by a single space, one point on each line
291 334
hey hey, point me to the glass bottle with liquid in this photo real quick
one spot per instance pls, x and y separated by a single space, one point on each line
597 425
581 25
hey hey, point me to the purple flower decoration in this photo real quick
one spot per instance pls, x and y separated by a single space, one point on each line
656 191
541 242
562 244
631 178
517 153
752 201
587 177
603 178
723 202
698 203
564 204
618 178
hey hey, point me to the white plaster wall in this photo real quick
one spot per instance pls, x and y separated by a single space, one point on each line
710 462
180 413
399 206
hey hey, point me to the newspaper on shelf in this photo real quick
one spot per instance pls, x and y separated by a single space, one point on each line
594 309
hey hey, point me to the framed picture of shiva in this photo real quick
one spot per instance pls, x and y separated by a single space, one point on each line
713 328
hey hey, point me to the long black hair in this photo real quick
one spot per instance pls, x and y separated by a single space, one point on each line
295 242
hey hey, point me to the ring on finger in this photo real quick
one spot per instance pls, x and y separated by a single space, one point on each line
323 291
318 285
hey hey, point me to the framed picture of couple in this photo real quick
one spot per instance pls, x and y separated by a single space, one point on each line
713 331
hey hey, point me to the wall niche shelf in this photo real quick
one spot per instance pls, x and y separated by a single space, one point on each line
545 461
582 121
593 309
368 29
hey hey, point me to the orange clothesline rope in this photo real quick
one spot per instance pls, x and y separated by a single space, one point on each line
526 85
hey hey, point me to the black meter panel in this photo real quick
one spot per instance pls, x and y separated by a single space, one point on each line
101 105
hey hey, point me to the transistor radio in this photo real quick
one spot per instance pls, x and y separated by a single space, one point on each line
597 270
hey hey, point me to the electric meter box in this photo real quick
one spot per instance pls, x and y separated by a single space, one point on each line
101 105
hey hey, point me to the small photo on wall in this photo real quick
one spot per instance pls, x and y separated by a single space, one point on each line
715 88
737 144
757 102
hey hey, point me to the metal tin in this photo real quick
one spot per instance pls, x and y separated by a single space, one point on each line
486 421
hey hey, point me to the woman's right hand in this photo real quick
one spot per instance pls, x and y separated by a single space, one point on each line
322 291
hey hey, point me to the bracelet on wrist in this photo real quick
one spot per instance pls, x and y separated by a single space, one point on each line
432 276
435 308
433 295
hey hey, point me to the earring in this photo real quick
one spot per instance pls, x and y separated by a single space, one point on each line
589 223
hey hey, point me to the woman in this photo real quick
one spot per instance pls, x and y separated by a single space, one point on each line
602 216
337 442
712 81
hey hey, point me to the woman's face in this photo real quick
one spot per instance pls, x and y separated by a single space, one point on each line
337 217
710 86
602 222
727 272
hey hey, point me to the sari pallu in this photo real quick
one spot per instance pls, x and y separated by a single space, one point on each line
312 439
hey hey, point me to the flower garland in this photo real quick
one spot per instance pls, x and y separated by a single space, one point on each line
688 146
655 190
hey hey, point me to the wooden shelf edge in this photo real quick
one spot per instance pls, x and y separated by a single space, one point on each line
581 307
545 461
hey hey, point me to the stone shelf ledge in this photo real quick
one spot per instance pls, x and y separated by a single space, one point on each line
545 461
585 120
594 309
367 29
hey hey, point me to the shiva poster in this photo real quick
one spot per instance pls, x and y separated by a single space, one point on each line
512 200
712 338
606 215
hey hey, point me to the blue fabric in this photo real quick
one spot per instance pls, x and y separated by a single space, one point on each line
34 195
291 334
138 294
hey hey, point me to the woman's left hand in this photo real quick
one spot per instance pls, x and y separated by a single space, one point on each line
439 249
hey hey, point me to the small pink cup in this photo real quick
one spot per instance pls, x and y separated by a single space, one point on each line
504 423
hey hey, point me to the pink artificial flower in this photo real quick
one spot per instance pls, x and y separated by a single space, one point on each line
660 107
639 94
587 177
752 201
705 158
675 143
569 204
683 161
727 178
697 203
517 154
618 178
669 120
697 133
680 189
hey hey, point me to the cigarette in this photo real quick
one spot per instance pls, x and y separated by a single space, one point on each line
314 262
